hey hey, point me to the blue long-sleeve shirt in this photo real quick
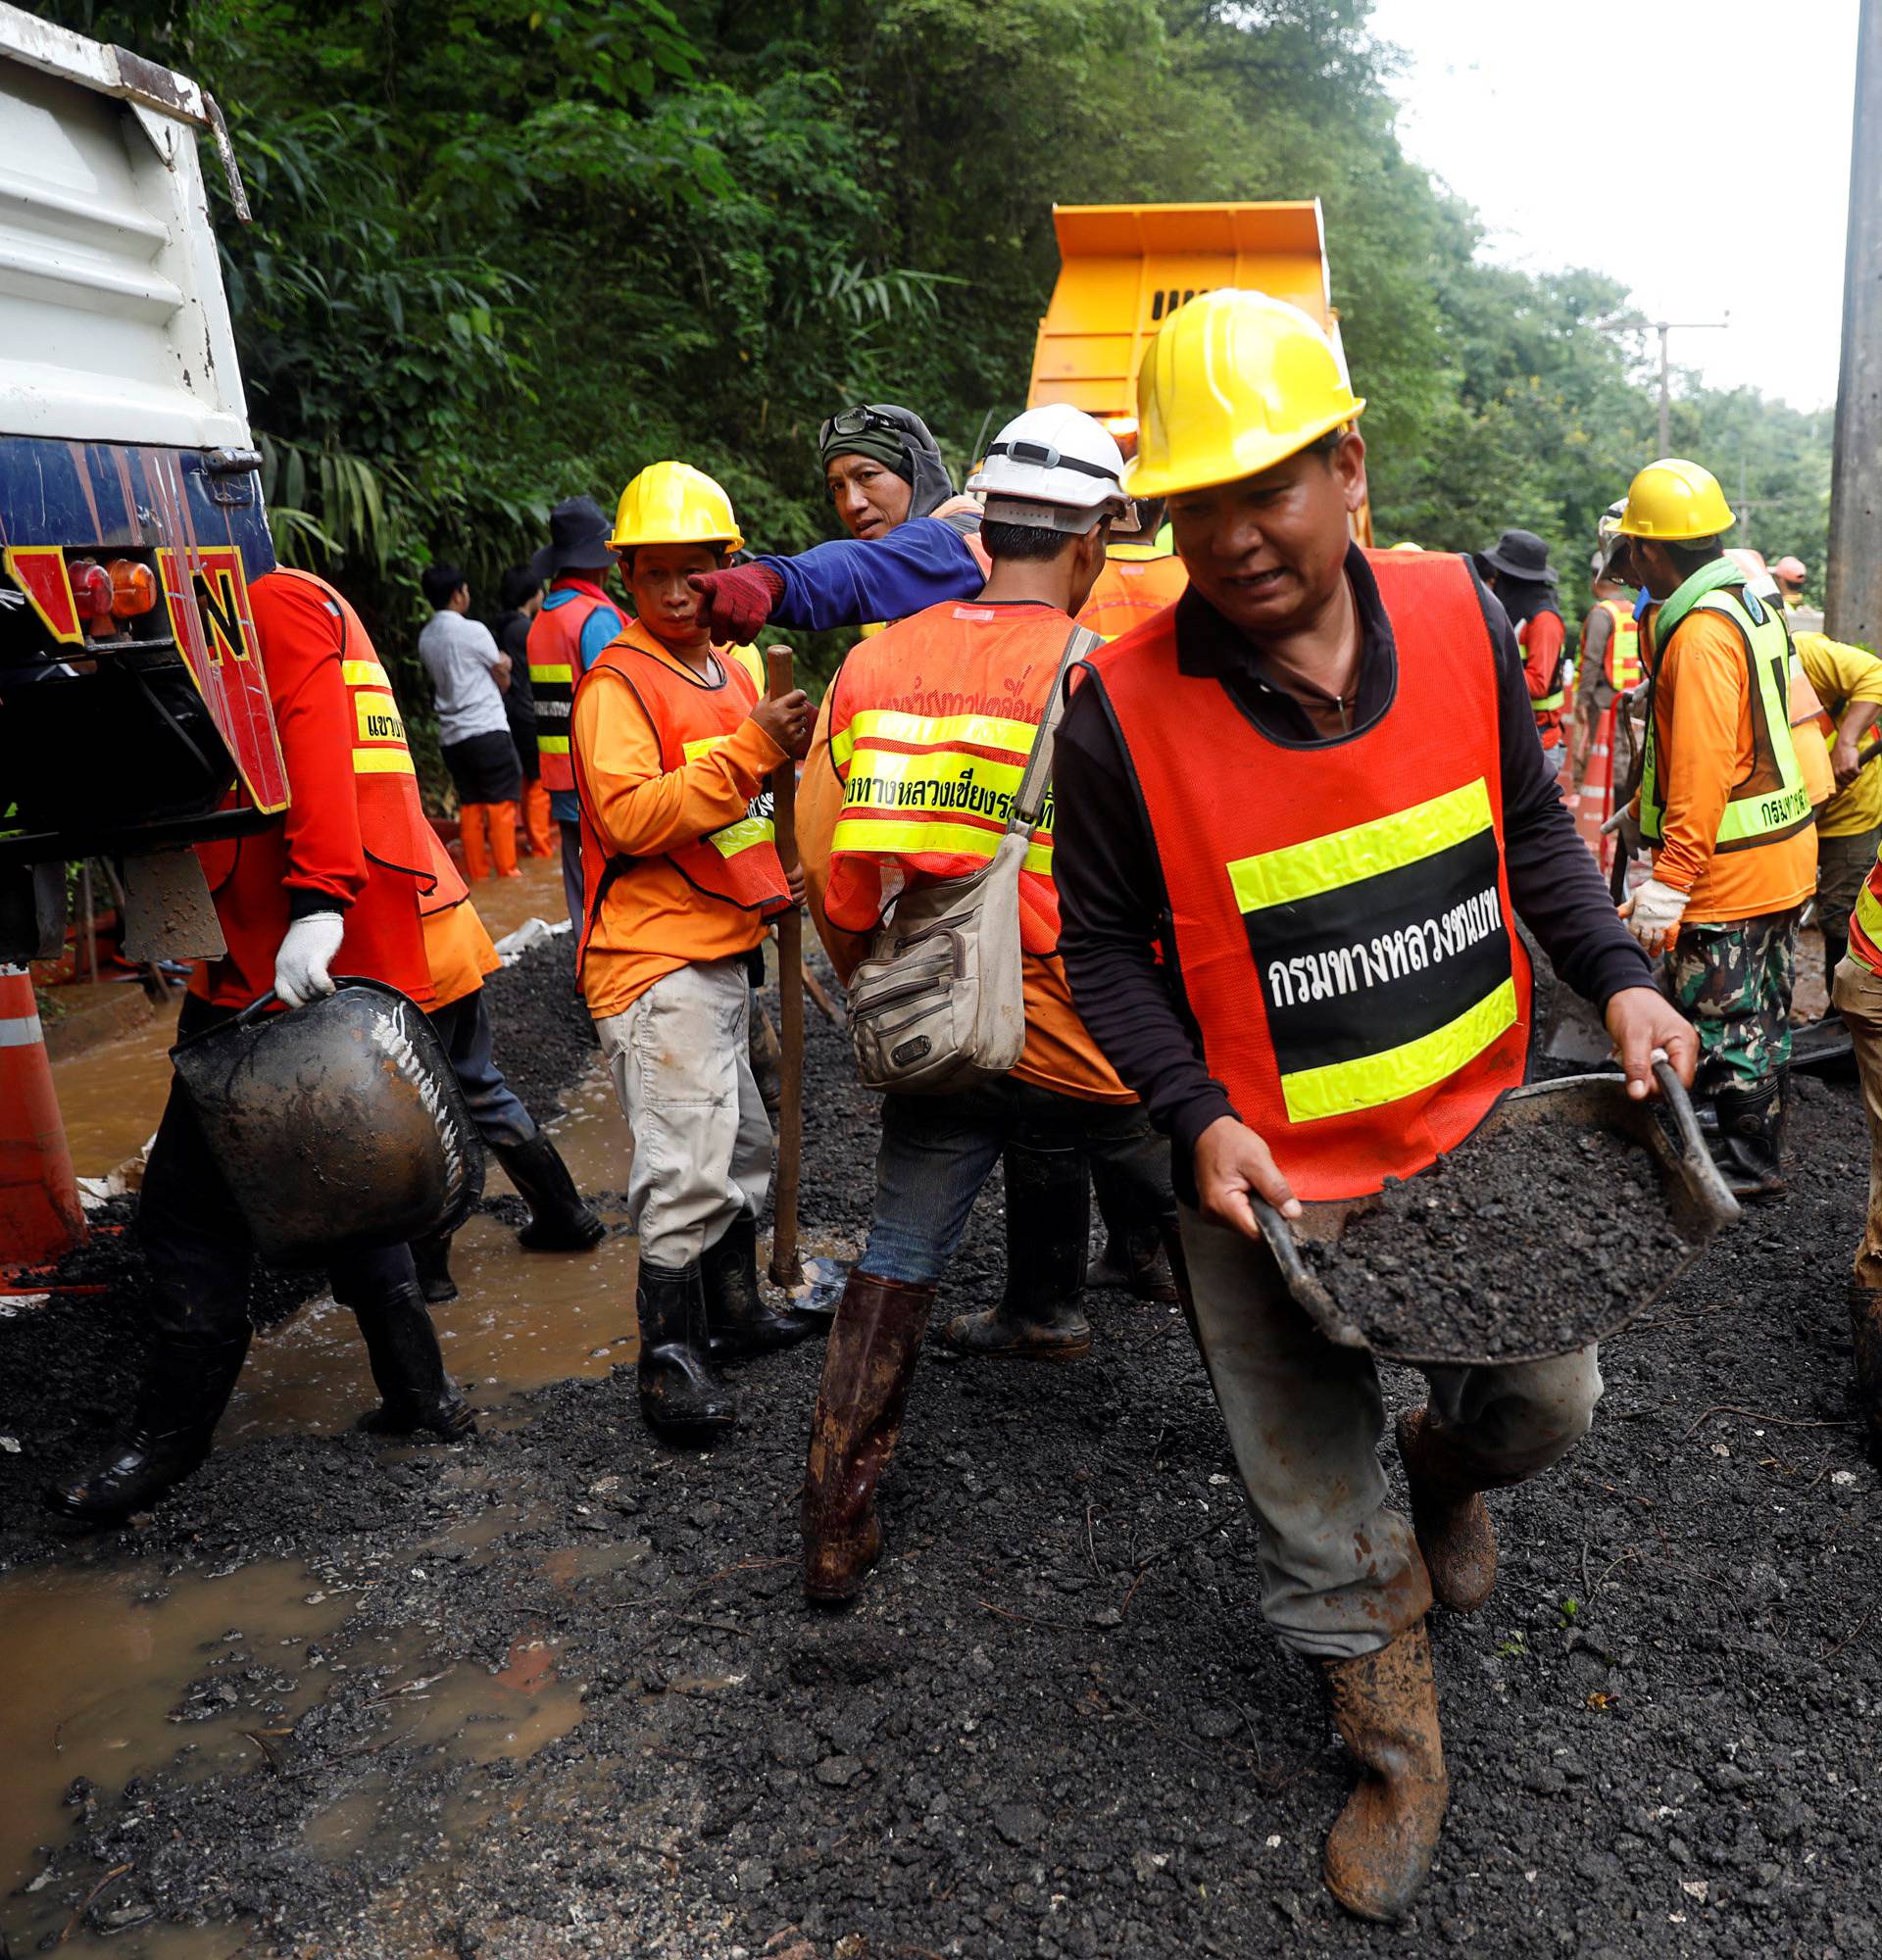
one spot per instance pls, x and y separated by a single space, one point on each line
851 583
602 626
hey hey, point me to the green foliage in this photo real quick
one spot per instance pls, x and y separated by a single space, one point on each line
507 250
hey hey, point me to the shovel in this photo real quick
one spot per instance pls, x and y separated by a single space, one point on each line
1688 1182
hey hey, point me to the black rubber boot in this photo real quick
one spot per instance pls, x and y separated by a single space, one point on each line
739 1320
679 1395
186 1384
1750 1138
1048 1223
433 1257
408 1368
1132 1258
561 1219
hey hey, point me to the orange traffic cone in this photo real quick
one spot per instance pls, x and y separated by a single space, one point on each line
40 1217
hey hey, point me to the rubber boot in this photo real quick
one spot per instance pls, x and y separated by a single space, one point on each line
1865 1326
186 1384
1750 1138
679 1395
1836 946
875 1346
739 1320
433 1257
1385 1706
408 1368
1048 1225
561 1219
1133 1257
1449 1516
502 819
538 829
470 834
768 1060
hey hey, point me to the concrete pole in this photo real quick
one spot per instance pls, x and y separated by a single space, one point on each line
1665 393
1853 608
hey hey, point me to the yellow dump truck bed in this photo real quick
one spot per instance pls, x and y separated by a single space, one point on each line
1125 267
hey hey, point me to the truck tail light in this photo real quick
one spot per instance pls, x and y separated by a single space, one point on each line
90 589
133 588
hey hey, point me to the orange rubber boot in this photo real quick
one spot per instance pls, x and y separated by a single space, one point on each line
503 838
536 819
476 858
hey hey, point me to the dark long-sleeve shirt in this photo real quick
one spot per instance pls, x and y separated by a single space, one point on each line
1111 887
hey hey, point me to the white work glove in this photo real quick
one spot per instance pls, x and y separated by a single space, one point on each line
304 956
1653 913
1626 826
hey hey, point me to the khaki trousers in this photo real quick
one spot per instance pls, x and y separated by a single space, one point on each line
1341 1574
680 1065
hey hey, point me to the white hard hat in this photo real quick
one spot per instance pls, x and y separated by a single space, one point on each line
1056 469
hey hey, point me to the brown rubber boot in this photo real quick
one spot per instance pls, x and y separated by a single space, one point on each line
874 1345
1448 1515
1385 1706
1865 1327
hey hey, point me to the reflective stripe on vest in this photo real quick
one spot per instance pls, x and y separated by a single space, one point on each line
555 667
1622 666
689 715
934 787
1343 939
1773 802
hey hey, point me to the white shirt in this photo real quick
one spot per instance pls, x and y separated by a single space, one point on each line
461 656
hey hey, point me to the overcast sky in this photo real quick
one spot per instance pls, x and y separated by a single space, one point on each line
1554 117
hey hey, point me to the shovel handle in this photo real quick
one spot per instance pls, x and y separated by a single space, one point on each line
1702 1173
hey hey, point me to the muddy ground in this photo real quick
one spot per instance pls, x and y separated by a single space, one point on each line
1054 1725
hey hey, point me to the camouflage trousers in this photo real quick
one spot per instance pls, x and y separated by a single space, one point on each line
1733 982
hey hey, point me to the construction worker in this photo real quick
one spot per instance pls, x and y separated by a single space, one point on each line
520 596
576 621
1051 486
672 748
1789 572
1848 684
1725 805
459 954
1517 571
469 673
1378 700
333 885
1609 667
912 544
1142 573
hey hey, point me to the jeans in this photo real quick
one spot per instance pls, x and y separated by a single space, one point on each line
464 1027
938 1151
195 1240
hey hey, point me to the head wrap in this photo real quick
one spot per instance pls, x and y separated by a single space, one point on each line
916 458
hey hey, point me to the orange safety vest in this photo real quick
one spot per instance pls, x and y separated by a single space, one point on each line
930 727
555 667
689 715
1340 912
1130 588
1621 667
1548 704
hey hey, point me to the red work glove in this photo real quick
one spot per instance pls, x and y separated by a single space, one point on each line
733 605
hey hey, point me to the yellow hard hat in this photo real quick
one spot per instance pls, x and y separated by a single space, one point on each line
674 504
1234 382
1673 500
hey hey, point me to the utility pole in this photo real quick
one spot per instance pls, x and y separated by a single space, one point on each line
1854 609
1634 324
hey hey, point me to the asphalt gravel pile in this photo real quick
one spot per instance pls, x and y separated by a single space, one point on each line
1054 1725
1446 1268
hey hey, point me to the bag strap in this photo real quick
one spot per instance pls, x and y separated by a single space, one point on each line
1029 800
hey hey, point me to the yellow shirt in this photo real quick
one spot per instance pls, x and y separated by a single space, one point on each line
1842 675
